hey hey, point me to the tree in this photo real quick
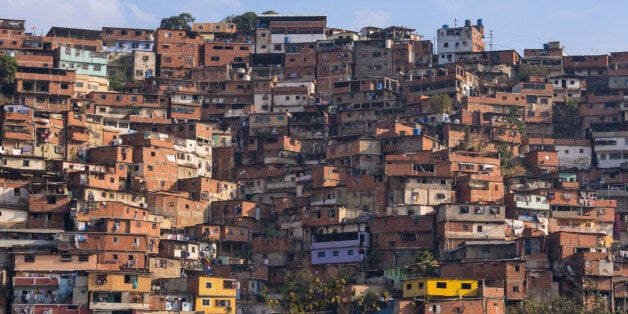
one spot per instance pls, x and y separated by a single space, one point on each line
246 21
371 301
303 292
117 81
181 21
565 118
439 103
270 12
8 69
526 71
505 154
424 265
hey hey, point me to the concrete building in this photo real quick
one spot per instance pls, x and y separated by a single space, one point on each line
459 39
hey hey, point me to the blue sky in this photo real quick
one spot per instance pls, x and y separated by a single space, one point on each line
583 27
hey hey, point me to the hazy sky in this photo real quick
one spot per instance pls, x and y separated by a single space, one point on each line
582 26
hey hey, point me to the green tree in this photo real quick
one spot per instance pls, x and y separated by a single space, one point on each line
181 21
8 69
425 265
505 154
303 292
563 304
117 81
439 103
526 71
466 141
371 301
565 118
245 21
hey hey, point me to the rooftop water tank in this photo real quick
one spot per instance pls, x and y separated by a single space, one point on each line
479 22
445 26
467 23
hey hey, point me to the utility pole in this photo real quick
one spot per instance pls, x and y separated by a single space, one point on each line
490 40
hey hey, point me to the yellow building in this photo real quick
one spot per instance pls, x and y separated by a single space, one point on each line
214 295
86 83
439 287
118 291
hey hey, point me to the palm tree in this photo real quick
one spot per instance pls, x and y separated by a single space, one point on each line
424 265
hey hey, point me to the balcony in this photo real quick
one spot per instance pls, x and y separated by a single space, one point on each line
279 160
16 116
576 214
303 178
35 281
607 230
80 137
254 190
279 185
339 240
534 202
19 135
107 306
8 243
331 201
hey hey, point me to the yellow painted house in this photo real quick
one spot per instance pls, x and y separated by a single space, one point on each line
107 281
110 291
214 295
440 287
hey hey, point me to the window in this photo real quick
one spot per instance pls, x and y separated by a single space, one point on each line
335 253
206 302
208 284
465 227
441 285
26 163
517 268
214 58
321 254
129 278
115 239
479 228
350 252
227 284
29 258
465 286
409 286
515 288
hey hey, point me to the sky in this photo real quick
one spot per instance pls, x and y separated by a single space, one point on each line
583 27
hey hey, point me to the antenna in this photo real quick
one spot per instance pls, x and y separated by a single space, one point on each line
490 42
455 22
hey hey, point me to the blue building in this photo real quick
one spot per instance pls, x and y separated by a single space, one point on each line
345 247
83 61
127 39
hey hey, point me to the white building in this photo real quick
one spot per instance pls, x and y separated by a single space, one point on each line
611 148
468 38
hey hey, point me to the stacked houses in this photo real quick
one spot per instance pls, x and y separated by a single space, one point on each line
147 171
